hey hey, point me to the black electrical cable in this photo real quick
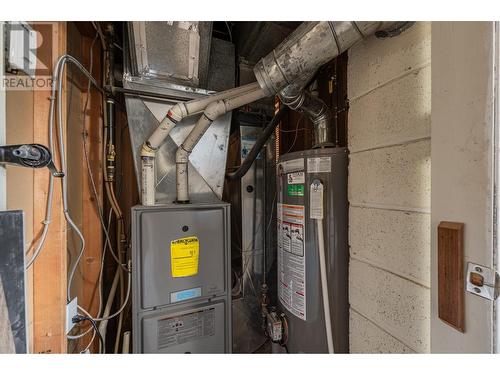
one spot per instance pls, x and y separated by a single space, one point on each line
263 137
81 318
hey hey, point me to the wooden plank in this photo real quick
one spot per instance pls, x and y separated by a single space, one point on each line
451 274
82 203
90 220
49 271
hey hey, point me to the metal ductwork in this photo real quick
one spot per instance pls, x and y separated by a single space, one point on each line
311 45
290 65
316 109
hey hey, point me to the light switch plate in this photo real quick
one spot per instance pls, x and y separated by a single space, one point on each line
71 311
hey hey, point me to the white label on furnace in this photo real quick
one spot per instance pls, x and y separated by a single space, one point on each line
291 259
295 178
319 165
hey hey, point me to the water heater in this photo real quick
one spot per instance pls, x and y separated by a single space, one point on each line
299 281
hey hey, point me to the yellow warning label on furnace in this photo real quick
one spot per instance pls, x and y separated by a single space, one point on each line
184 254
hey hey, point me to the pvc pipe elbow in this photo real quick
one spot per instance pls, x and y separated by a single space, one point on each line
177 112
215 110
148 151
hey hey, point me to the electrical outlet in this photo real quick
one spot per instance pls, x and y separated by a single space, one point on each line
71 311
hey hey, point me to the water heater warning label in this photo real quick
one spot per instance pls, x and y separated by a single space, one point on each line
291 259
184 255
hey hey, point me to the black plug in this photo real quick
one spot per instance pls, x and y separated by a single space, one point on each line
78 318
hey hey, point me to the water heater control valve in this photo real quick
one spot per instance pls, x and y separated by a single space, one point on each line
274 327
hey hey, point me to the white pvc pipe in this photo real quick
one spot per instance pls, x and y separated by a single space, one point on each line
175 115
148 180
182 110
126 342
324 284
211 113
104 324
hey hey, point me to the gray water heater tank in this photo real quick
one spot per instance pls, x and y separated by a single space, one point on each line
299 282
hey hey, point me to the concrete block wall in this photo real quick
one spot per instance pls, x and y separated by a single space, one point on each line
389 128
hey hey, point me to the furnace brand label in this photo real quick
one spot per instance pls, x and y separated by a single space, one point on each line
184 256
291 258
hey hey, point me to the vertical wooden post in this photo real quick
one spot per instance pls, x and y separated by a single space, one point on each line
50 269
91 226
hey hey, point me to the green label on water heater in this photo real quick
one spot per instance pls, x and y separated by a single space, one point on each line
296 190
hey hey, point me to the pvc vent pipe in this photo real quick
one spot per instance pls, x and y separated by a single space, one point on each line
211 113
175 115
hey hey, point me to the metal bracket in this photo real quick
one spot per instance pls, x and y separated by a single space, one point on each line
482 281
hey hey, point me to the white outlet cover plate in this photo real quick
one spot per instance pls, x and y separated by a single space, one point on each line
71 311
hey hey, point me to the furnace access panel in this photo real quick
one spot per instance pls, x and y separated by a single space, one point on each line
181 285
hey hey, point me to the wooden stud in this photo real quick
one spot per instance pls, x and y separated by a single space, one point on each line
49 270
91 225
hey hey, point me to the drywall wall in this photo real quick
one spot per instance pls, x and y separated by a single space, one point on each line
463 133
389 90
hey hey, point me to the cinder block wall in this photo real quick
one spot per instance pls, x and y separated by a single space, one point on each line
389 89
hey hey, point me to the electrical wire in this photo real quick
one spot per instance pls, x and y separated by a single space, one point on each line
56 98
229 30
50 191
80 318
100 319
63 168
99 209
296 133
106 244
129 284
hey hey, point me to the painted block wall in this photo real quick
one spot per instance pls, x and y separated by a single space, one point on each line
389 90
